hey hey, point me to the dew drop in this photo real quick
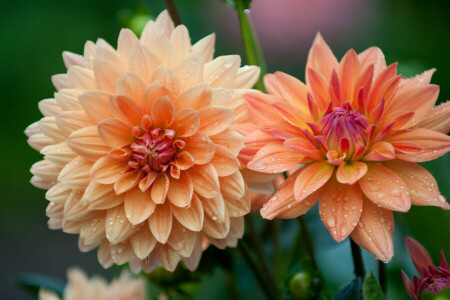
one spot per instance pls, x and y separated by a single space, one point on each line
395 193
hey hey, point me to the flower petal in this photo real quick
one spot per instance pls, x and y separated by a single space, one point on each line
421 185
87 143
224 161
143 62
351 172
125 109
118 228
143 242
214 119
274 158
182 240
191 217
385 188
190 70
380 151
101 196
160 223
435 144
186 122
95 104
160 188
127 181
374 231
321 57
205 180
76 173
200 147
438 119
205 47
312 178
340 207
107 170
181 190
419 255
138 205
163 112
114 133
195 97
283 204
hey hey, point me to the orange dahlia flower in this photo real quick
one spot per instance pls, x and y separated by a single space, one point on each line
79 286
139 155
357 129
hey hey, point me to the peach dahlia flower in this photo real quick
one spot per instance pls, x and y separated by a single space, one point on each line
357 129
139 155
79 286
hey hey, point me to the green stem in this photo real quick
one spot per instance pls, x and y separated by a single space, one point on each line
251 43
357 259
257 248
232 289
382 276
275 233
256 270
172 9
307 241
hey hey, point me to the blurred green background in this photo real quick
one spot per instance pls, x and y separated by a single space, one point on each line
33 35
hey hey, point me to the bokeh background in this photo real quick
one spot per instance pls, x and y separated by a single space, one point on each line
33 35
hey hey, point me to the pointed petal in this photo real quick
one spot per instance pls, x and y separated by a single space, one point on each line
106 75
224 161
160 223
95 104
351 172
138 205
118 228
163 112
190 217
321 57
421 185
186 122
214 120
312 178
181 190
125 109
159 189
127 40
190 70
101 196
87 143
143 242
340 208
380 151
143 62
200 147
205 47
114 133
438 119
182 240
127 181
385 188
283 204
107 170
205 180
274 158
195 97
374 231
435 144
419 255
76 173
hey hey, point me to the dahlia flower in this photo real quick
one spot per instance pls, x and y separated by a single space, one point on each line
139 154
79 286
434 279
356 129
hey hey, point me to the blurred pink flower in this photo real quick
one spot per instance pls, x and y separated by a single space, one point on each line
433 279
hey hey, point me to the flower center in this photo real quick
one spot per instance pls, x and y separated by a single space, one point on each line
343 128
154 148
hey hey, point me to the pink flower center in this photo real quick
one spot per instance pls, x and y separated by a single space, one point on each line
154 148
343 128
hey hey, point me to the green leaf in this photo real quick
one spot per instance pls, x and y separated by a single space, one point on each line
352 291
371 288
33 282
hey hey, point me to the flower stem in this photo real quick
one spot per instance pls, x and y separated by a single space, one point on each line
307 241
275 234
251 43
357 259
382 276
172 9
257 248
257 272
